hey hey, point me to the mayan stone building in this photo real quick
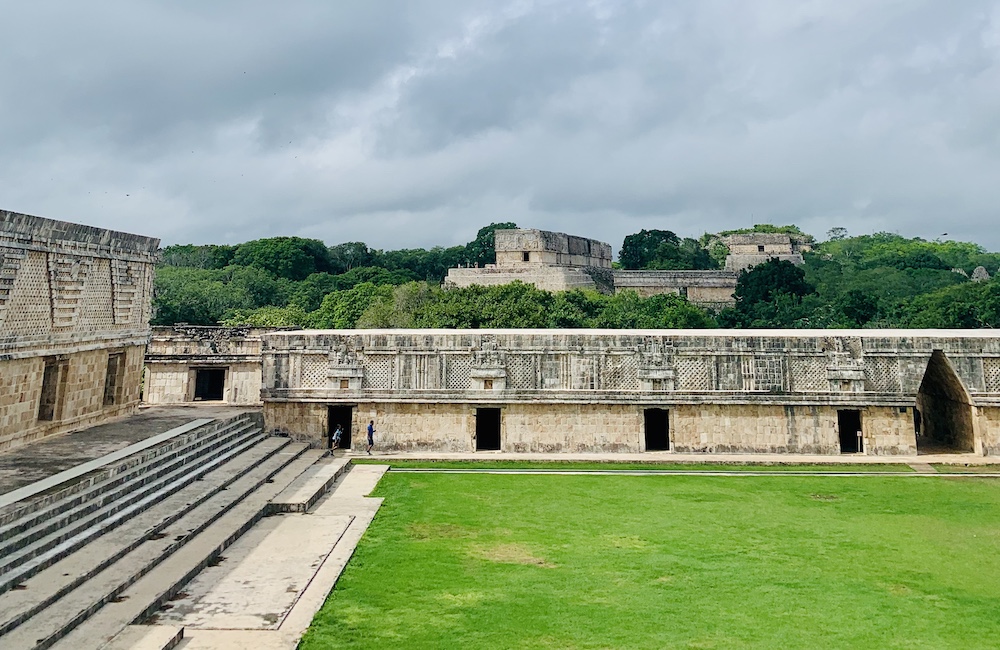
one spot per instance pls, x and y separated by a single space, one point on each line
750 249
553 261
783 391
195 364
74 321
558 262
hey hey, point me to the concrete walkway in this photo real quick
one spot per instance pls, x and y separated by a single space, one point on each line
670 458
274 579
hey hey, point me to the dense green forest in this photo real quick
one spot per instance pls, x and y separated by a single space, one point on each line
879 280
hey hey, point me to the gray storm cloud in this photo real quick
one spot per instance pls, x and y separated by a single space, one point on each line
413 124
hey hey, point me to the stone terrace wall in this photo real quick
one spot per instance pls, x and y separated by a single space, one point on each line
725 390
706 288
73 298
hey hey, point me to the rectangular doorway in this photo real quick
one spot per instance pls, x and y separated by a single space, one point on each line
53 379
209 384
344 417
487 429
657 429
848 426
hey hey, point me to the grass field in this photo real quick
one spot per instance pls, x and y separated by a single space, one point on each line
549 561
609 465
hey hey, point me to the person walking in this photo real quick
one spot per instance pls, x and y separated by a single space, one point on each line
337 435
371 436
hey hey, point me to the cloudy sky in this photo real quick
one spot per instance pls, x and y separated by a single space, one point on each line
406 124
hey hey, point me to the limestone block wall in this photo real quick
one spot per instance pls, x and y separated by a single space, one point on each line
166 383
71 296
708 288
303 421
987 424
549 248
548 278
81 393
726 391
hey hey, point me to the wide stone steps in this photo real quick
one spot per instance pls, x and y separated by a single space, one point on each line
155 589
123 487
163 546
49 539
43 589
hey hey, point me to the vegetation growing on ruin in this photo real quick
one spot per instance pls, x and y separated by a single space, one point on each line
880 280
489 561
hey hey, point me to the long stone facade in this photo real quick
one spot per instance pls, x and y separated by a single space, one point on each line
211 364
714 391
74 321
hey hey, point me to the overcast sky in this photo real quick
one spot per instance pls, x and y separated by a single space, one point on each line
406 124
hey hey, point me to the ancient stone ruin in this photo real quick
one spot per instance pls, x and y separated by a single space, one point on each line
559 262
783 391
74 321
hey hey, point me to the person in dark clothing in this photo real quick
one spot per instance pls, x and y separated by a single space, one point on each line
371 436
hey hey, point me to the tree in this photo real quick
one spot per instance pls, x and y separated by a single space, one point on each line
770 295
286 257
482 250
836 234
342 309
344 257
639 250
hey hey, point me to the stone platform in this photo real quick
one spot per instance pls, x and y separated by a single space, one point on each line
39 460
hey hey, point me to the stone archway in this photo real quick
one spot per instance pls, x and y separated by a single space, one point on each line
945 408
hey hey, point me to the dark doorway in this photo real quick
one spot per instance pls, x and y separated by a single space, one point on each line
209 384
344 416
657 429
849 425
52 379
113 379
945 410
487 429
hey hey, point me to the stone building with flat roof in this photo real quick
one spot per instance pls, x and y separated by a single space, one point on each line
203 364
750 249
783 391
74 321
555 261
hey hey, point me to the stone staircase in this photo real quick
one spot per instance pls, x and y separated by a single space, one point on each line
89 556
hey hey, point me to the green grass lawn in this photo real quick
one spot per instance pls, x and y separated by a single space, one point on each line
613 465
494 561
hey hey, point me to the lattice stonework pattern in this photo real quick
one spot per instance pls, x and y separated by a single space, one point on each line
521 371
621 372
314 371
378 372
991 372
693 374
808 375
96 312
768 373
457 369
881 374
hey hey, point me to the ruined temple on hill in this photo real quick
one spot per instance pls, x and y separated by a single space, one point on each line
74 321
787 391
559 262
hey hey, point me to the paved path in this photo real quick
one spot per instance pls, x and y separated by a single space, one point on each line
277 577
44 458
